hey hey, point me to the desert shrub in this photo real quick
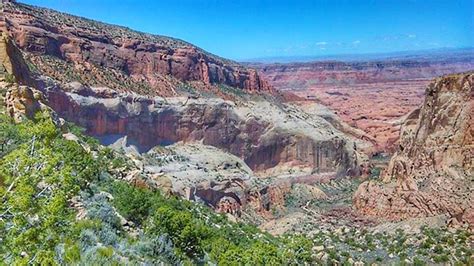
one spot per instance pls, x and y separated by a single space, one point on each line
40 176
133 203
438 249
427 244
298 249
333 255
99 209
186 232
72 254
418 262
161 246
375 172
441 258
196 233
9 135
9 78
231 90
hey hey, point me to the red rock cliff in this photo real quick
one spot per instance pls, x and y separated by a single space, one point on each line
432 173
146 58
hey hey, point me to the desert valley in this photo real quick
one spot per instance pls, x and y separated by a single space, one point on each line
123 147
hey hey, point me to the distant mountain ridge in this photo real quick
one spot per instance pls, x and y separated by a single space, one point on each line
394 67
431 54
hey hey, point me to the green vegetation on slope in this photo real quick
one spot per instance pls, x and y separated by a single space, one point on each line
47 180
39 173
61 204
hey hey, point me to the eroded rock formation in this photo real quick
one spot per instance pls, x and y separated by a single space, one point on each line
12 63
83 48
433 171
22 101
261 133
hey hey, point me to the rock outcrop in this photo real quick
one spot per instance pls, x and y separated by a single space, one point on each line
70 48
22 101
263 134
12 64
433 171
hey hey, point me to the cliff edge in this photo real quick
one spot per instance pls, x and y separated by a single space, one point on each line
69 48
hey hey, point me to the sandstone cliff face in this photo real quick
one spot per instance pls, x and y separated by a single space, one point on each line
433 171
11 60
263 135
88 44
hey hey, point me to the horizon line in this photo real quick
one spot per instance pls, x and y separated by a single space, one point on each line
334 56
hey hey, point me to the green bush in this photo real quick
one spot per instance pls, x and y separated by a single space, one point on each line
441 258
418 262
9 78
39 176
135 204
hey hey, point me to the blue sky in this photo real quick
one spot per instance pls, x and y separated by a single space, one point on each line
243 29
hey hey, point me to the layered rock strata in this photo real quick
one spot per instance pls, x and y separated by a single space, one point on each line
264 135
88 45
433 171
368 94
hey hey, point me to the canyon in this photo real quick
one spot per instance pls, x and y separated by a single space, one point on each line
425 124
134 148
284 146
135 92
268 140
373 95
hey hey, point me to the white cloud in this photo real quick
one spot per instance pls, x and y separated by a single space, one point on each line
412 36
357 42
321 43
